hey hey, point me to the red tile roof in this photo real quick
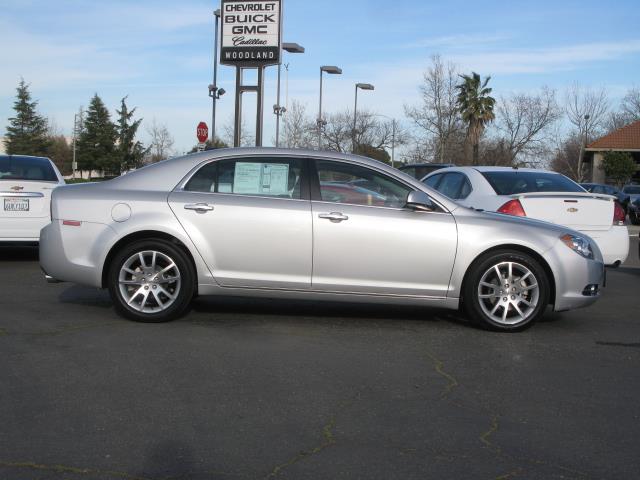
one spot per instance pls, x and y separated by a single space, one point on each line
625 138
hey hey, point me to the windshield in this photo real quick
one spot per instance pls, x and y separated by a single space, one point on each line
632 189
514 182
26 168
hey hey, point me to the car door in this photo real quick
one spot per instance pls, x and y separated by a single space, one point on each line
365 241
250 219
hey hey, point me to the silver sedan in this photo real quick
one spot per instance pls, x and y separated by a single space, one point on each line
303 224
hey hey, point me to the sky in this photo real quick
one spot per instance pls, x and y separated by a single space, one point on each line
159 53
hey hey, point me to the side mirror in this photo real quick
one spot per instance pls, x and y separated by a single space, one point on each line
418 200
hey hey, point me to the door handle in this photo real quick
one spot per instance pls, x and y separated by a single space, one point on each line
333 216
199 207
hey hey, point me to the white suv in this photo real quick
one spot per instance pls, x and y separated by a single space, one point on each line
26 184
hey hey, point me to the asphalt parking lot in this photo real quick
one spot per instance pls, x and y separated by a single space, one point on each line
295 390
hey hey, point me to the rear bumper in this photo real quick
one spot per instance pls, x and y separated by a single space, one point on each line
74 254
613 243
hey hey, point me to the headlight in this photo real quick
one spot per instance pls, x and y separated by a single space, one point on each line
580 245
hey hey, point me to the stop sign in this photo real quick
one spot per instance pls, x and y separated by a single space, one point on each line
202 132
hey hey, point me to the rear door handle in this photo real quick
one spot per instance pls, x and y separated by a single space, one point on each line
199 207
333 216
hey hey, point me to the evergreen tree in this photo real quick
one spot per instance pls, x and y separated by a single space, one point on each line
96 149
27 133
130 152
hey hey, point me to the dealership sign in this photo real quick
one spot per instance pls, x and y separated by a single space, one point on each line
251 31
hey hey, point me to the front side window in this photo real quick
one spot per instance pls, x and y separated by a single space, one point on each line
261 177
357 185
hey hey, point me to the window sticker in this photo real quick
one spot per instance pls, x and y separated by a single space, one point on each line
261 178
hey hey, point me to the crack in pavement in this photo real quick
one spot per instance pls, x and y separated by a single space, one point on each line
65 469
329 440
327 434
485 437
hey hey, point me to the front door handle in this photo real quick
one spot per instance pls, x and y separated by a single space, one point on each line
333 216
199 207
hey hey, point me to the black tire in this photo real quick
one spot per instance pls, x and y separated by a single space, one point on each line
633 218
181 295
471 302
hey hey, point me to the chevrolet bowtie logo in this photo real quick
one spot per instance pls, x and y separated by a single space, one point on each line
17 188
572 210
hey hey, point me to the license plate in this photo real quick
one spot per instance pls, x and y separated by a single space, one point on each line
16 204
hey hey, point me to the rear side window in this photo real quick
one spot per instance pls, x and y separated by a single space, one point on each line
26 168
260 177
632 189
514 182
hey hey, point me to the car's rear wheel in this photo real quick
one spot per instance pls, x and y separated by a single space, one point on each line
506 291
633 218
151 281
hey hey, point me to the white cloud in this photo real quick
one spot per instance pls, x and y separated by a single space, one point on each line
542 60
458 41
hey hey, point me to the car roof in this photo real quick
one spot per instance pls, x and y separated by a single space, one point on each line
511 169
414 165
25 157
162 176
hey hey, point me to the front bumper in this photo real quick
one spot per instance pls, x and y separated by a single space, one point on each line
579 281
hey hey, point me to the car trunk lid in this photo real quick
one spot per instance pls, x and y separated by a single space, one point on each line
580 211
25 199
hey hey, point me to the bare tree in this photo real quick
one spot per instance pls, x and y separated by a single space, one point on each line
161 144
586 110
246 138
372 130
630 105
565 157
524 122
438 116
298 129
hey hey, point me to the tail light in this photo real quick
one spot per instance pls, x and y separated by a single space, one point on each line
513 207
618 214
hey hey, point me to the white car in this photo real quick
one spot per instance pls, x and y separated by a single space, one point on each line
539 194
26 184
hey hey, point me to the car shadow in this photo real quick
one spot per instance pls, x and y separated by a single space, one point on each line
19 254
90 296
322 309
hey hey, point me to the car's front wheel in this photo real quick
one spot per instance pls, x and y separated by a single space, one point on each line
506 291
151 281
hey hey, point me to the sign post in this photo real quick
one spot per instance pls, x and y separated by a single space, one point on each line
251 38
202 133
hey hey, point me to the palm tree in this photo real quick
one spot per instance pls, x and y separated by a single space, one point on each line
476 107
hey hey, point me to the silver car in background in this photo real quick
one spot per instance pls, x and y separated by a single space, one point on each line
313 225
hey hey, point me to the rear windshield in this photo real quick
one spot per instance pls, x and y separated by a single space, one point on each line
26 168
633 190
511 183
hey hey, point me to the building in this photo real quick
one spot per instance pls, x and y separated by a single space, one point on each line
625 139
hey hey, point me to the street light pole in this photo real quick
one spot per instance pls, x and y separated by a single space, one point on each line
363 86
277 108
213 89
333 71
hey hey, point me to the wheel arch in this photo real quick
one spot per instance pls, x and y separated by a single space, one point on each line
146 235
522 249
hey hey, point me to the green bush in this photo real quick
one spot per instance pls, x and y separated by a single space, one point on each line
619 167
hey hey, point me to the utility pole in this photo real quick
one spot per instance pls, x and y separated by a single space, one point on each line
214 92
